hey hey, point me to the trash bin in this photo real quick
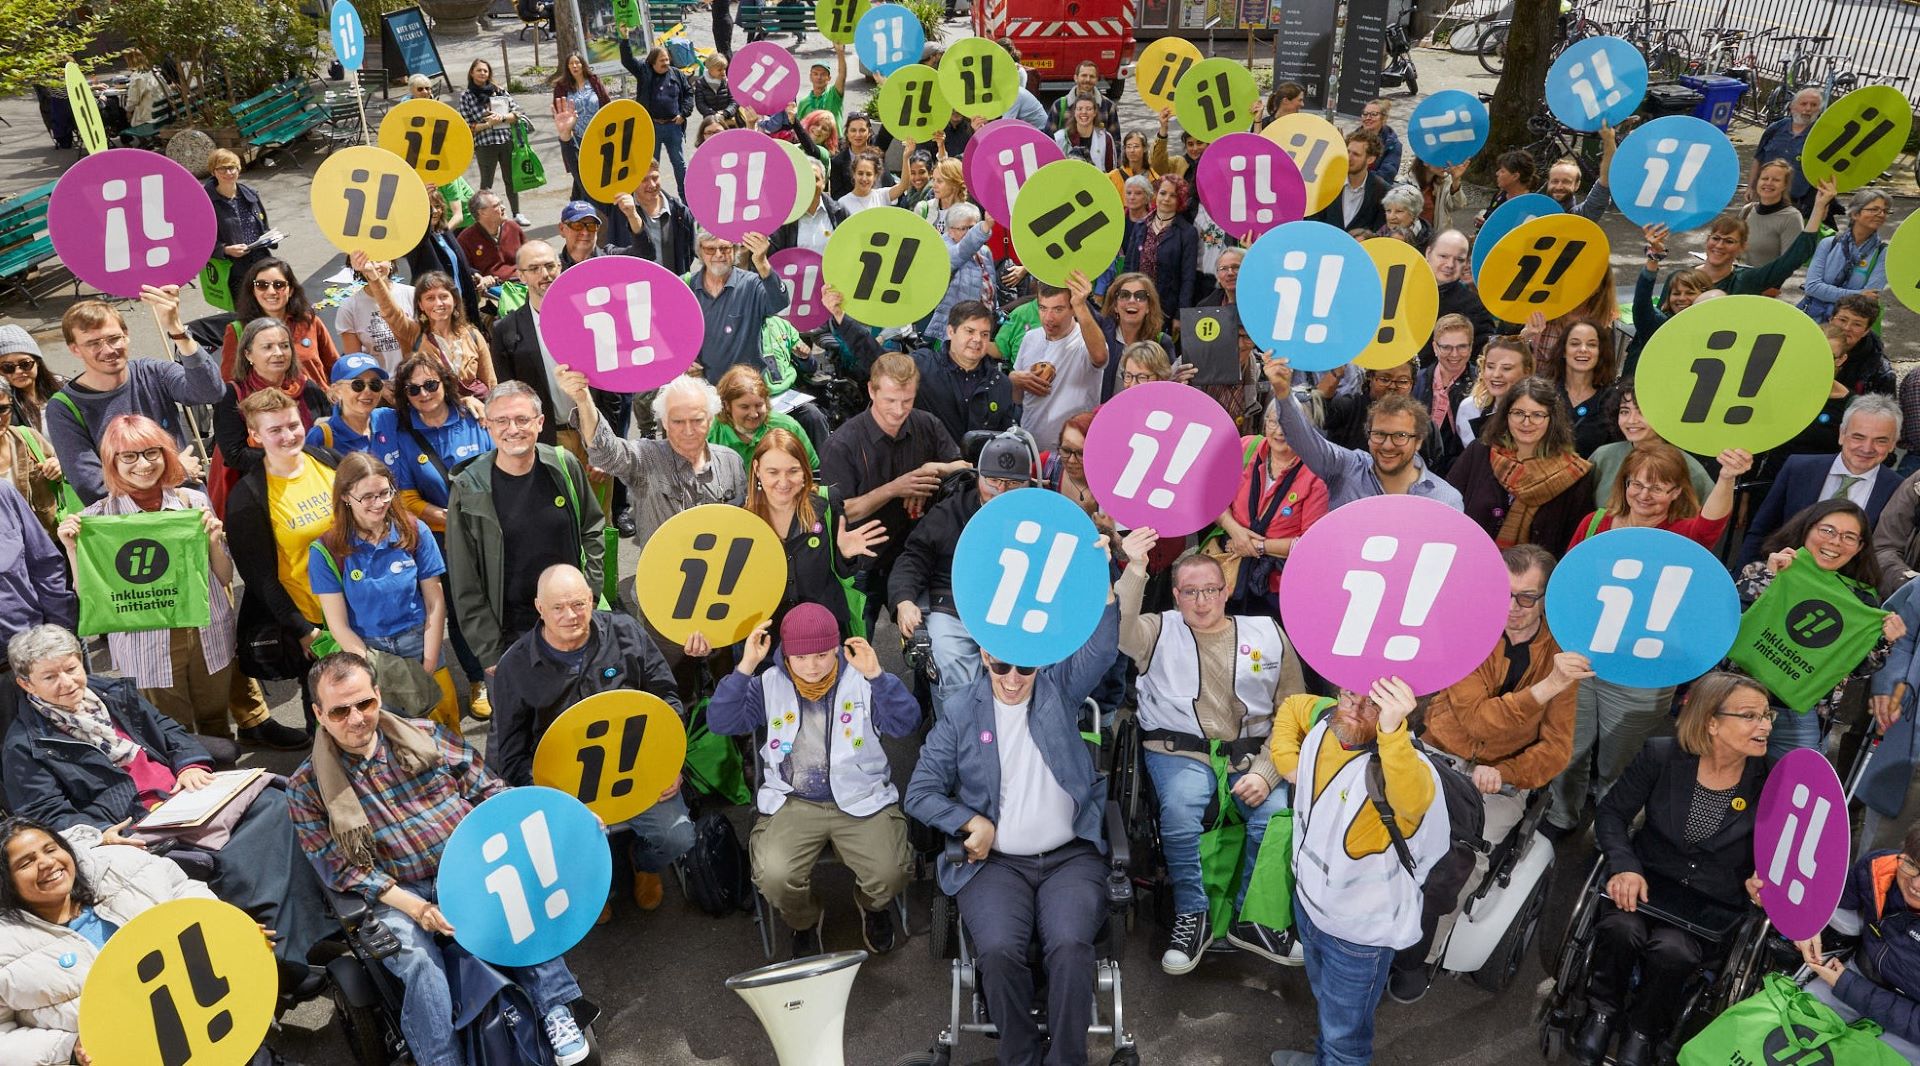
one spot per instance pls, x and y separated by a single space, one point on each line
1722 94
1669 98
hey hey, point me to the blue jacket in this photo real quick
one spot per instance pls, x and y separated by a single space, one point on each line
665 96
1799 485
1890 941
1387 168
64 782
1840 268
958 775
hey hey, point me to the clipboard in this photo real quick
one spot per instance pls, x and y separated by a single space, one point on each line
190 810
1210 340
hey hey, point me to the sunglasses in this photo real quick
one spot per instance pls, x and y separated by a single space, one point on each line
364 384
366 706
1000 669
425 388
1129 294
18 367
263 284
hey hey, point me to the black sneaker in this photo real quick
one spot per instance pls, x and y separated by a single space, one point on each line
624 522
878 931
271 734
1408 985
1636 1049
1269 944
1190 939
806 942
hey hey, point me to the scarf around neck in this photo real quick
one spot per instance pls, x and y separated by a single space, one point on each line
813 692
410 749
90 723
1532 482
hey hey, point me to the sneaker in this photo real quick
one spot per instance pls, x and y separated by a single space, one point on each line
806 942
1636 1049
522 221
479 706
878 931
648 890
564 1036
271 734
1408 985
1296 952
1190 940
1284 1057
1269 944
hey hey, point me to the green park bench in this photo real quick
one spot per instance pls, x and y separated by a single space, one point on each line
165 110
273 120
24 240
772 19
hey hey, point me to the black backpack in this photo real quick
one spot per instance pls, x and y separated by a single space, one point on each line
719 878
1466 817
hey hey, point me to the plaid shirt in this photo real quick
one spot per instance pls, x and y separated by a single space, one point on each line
473 107
412 815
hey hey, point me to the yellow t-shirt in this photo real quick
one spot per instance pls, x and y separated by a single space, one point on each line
301 508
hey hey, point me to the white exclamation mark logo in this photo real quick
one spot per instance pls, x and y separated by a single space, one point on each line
1260 185
1588 93
1784 851
504 882
119 251
1052 572
640 322
889 53
1429 573
1616 602
732 188
1146 448
1011 176
1289 289
1689 170
1666 600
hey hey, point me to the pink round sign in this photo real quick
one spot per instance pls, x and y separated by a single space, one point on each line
801 270
1000 158
1249 184
628 324
125 218
1394 586
1801 840
1165 456
741 182
765 77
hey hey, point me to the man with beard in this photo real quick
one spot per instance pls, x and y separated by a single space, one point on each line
1397 427
1563 182
734 302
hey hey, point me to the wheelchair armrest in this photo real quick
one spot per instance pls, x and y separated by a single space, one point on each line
350 908
1119 845
954 851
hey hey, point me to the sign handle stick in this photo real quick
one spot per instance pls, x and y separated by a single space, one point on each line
1334 62
360 101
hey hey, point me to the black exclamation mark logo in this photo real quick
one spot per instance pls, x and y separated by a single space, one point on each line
208 989
1216 115
730 571
626 150
902 264
1396 281
1873 136
357 203
1568 253
1765 352
593 757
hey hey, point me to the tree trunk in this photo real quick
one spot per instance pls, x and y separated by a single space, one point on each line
1522 85
568 35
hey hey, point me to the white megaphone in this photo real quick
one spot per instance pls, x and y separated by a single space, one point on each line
803 1005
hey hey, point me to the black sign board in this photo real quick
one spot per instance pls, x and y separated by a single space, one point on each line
1363 49
404 36
1303 47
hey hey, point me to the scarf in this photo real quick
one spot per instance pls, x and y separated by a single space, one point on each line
1442 404
90 723
815 691
411 750
294 385
1531 483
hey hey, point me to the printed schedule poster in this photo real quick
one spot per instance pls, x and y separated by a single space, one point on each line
1303 48
1363 47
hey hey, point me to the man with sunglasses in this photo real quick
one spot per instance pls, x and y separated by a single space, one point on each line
1397 428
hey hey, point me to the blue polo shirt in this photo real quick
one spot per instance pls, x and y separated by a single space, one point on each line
382 437
381 582
458 439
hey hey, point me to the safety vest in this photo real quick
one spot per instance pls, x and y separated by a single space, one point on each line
1171 682
856 766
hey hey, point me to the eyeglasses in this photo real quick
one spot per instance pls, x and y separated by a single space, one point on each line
1849 538
1528 599
717 250
1645 489
1752 718
376 496
1130 294
1381 436
425 388
1128 377
370 705
228 169
1908 868
1204 592
1438 347
20 366
1071 453
514 421
133 459
551 266
1528 416
1000 669
364 384
263 284
103 344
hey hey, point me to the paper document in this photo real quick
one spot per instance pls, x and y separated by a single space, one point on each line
185 808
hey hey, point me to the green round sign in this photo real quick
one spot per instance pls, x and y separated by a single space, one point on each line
1736 372
911 104
1857 137
803 180
889 265
1069 217
1216 97
979 78
837 19
1903 263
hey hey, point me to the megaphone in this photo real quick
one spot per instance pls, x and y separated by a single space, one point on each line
802 1005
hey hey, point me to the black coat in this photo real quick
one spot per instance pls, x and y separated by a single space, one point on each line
517 357
788 236
230 427
1372 215
925 566
250 538
1486 501
1176 263
1660 783
64 782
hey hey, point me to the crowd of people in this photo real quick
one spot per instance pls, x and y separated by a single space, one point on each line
420 486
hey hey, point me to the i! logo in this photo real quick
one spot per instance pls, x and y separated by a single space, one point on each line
124 218
1740 372
1030 580
1318 150
1648 607
978 78
1447 128
1068 218
432 137
189 981
740 182
889 37
913 103
1598 81
1249 185
1550 265
801 269
1801 843
630 323
368 199
1311 292
1161 67
142 561
1165 456
1000 159
725 575
614 751
616 150
1857 137
764 76
1215 98
889 265
1677 171
501 884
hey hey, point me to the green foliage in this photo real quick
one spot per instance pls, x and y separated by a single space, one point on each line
930 13
37 37
232 48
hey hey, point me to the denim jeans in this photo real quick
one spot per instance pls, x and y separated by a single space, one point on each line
426 1014
410 644
1347 982
955 653
1794 729
661 834
672 135
1185 786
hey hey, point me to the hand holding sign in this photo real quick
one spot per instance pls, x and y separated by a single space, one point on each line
125 218
614 751
367 199
1548 266
1743 372
1164 456
187 981
628 324
1801 840
1617 598
1030 577
502 886
719 571
801 269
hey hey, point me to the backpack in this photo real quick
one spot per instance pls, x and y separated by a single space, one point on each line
495 1021
719 879
1466 817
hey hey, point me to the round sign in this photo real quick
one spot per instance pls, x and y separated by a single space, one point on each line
628 324
999 160
504 887
1319 152
1857 137
86 110
616 151
349 35
1394 586
741 182
978 78
801 269
367 199
613 751
1249 185
1447 128
124 218
1070 217
718 571
1801 840
1648 607
1165 456
912 103
432 137
1158 72
1597 81
1508 217
1738 372
1311 293
889 265
1551 265
764 76
888 37
1216 97
190 980
837 19
1030 577
1678 171
1903 263
1409 303
805 181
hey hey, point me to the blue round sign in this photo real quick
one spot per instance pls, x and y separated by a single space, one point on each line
1448 128
1599 81
1505 219
1029 577
349 36
1310 293
1679 171
1649 607
524 876
888 37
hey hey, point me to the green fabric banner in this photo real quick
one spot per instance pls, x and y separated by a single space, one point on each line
1805 633
142 571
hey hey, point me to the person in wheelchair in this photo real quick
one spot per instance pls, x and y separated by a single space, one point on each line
374 806
1699 790
1881 906
1209 682
823 776
1005 767
1509 726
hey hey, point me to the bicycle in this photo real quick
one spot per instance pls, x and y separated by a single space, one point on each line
1665 49
1796 73
1572 25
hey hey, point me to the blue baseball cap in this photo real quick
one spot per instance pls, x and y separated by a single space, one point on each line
352 366
578 211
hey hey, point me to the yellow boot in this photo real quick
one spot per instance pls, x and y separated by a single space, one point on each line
447 711
479 706
647 890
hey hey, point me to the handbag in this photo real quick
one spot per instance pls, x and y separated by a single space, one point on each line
524 169
67 501
1222 843
1784 1023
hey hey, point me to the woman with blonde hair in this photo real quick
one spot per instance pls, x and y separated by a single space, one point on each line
811 521
949 187
1504 361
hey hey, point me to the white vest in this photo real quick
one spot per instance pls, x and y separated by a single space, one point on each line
856 766
1170 685
1370 900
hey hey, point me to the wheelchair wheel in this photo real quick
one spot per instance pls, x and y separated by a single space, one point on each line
941 943
1511 953
1125 1056
362 1029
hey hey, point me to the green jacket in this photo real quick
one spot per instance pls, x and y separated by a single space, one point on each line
476 563
721 433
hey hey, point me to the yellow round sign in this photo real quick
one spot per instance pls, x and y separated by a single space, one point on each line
191 980
1857 137
432 137
86 110
1410 303
803 180
1550 265
912 104
368 199
1160 68
716 570
1206 328
1903 263
1318 149
613 751
616 150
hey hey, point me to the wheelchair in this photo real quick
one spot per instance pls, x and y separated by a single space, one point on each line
1495 925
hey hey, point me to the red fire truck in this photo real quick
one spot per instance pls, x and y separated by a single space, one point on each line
1055 36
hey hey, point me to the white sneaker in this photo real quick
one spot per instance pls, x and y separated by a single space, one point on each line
522 221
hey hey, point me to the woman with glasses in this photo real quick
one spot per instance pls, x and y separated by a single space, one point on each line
823 552
27 374
438 325
377 570
1130 315
264 359
1700 793
1852 260
1834 534
238 211
1277 500
1654 488
1522 480
27 457
1635 433
1726 249
271 289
